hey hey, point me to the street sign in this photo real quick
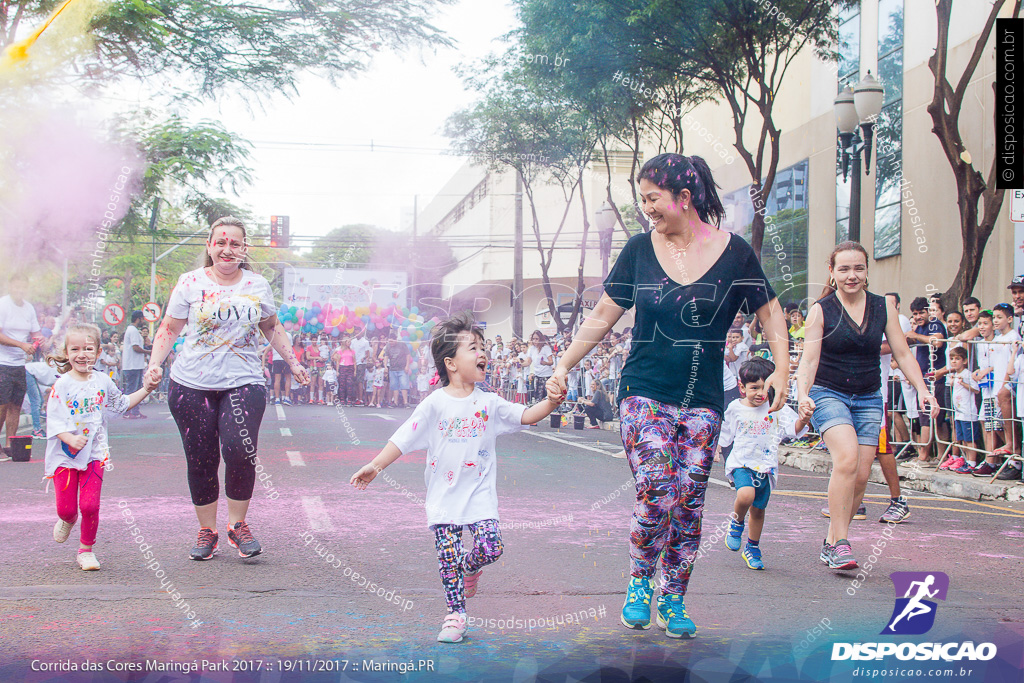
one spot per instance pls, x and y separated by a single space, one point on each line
151 312
1017 206
279 231
113 315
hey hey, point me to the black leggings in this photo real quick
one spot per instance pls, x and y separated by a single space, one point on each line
212 423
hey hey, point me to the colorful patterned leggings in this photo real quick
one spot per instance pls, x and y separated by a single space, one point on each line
79 491
670 451
453 561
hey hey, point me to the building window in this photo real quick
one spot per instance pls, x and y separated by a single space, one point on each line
787 208
889 130
849 74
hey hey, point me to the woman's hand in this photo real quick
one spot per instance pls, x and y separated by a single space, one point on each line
778 380
556 385
300 373
154 373
364 476
926 399
806 408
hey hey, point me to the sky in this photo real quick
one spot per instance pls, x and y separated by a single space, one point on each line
311 155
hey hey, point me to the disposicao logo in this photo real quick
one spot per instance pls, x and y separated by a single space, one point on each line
914 614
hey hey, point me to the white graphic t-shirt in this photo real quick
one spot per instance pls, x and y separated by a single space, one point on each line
756 434
222 338
77 407
459 435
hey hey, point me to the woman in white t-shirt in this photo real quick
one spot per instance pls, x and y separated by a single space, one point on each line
217 392
458 426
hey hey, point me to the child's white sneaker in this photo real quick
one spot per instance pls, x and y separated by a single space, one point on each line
88 562
62 529
453 628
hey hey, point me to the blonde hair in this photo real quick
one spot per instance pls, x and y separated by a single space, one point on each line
233 222
59 359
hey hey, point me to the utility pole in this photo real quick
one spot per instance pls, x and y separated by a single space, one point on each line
412 269
517 269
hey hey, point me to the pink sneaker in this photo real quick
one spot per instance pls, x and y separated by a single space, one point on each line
953 463
470 581
453 628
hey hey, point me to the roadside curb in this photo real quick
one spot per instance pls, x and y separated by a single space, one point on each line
913 477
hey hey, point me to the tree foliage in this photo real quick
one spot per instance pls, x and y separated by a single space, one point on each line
259 47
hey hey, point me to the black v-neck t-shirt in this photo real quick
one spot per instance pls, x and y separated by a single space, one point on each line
678 345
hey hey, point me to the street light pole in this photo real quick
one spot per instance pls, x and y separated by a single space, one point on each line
856 112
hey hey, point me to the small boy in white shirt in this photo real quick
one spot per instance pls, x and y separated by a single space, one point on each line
735 350
330 379
753 464
963 458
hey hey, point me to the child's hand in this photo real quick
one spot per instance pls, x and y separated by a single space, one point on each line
364 476
151 381
77 441
718 455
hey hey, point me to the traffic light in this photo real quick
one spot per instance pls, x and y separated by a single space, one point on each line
279 231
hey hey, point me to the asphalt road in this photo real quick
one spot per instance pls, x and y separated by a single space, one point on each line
549 607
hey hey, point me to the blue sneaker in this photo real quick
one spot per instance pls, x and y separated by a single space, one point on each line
673 618
636 611
735 536
752 556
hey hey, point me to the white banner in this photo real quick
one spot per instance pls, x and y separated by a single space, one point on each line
344 287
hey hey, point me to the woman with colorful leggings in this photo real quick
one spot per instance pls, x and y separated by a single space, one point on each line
217 391
686 280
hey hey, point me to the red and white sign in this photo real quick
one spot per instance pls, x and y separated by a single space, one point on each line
113 315
151 312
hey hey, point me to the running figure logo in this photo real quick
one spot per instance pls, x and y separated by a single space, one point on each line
914 613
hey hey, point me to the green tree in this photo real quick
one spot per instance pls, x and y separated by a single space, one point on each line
259 47
979 199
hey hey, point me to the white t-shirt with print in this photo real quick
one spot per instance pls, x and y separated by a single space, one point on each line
459 435
755 434
536 356
965 409
77 407
19 323
222 338
361 348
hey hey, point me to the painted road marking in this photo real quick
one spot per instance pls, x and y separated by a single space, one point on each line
568 443
389 418
285 431
295 458
280 411
316 513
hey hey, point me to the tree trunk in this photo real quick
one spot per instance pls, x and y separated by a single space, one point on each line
580 288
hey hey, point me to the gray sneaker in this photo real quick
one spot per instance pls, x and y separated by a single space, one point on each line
897 511
206 545
826 550
240 537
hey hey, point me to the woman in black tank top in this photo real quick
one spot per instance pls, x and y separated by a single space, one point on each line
839 379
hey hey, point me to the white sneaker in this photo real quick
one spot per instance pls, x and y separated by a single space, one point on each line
62 529
88 561
453 628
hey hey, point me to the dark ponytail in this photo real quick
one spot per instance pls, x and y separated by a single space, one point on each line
711 210
675 173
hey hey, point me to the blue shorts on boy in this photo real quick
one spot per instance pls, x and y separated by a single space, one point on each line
967 431
754 434
760 481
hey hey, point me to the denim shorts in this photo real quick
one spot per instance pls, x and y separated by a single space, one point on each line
863 412
967 431
762 483
399 380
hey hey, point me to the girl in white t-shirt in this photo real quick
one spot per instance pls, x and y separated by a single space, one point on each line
76 435
458 426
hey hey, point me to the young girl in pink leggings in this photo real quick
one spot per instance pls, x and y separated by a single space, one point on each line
76 435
